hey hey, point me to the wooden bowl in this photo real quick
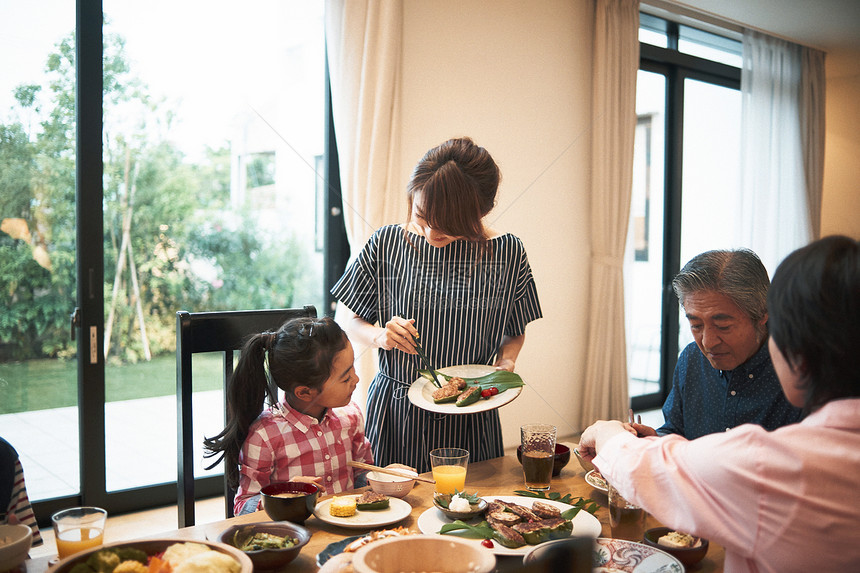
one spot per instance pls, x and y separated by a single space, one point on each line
441 553
267 558
153 547
687 555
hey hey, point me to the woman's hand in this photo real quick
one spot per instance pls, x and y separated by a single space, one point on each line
397 334
506 357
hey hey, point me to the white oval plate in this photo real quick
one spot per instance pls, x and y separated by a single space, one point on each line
398 510
595 480
584 524
421 392
618 555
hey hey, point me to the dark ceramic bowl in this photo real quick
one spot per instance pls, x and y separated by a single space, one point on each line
476 510
559 460
290 500
688 555
265 559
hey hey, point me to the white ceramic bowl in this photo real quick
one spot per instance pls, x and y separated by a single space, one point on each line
391 485
15 543
442 553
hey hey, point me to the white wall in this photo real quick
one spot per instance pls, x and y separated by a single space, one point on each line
517 79
840 208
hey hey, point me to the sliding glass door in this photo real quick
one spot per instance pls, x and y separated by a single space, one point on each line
171 160
38 233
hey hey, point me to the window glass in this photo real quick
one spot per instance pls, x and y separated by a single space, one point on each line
710 46
711 180
644 260
652 30
212 131
38 369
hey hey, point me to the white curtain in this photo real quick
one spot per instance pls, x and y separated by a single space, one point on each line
782 146
364 45
812 92
614 70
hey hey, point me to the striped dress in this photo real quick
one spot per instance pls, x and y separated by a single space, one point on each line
461 309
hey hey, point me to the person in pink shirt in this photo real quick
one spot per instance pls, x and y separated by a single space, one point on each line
780 501
312 433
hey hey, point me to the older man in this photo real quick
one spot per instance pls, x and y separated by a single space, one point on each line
725 378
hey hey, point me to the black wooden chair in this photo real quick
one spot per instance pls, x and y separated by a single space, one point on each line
225 332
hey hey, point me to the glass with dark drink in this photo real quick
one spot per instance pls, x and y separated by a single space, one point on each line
538 448
627 521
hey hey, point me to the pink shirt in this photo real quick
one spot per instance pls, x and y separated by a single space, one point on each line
283 443
780 501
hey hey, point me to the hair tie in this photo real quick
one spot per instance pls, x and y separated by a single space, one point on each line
268 339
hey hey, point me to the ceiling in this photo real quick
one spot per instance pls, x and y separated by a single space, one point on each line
829 25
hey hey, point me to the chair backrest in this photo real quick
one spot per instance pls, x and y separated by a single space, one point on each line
225 332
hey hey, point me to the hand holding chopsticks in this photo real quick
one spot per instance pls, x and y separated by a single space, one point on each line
638 427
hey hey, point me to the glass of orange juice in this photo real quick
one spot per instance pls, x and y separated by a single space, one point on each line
78 528
449 469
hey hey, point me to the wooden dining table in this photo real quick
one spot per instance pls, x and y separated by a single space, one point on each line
497 476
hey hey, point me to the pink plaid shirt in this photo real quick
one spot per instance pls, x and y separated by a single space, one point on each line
284 443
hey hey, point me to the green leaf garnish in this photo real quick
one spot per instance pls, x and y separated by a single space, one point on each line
578 503
501 379
444 499
480 531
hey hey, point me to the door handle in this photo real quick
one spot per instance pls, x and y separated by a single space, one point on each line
75 319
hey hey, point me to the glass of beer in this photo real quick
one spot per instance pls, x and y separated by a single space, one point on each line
538 445
627 521
449 469
78 528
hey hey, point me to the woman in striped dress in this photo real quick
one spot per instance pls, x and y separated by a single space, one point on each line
467 289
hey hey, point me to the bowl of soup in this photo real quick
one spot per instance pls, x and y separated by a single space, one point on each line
290 500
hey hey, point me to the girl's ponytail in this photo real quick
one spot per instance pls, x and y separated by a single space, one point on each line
246 390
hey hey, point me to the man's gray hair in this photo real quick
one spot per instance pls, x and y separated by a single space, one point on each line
738 274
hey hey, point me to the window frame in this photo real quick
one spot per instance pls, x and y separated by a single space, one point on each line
676 67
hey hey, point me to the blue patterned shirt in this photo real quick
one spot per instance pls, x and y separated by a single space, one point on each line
705 400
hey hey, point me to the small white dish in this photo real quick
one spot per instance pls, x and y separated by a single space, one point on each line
398 510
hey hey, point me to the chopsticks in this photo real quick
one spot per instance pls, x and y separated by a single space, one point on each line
390 471
423 357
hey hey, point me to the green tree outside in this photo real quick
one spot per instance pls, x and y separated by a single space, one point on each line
167 219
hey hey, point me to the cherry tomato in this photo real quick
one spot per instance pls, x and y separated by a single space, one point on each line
487 543
493 391
486 393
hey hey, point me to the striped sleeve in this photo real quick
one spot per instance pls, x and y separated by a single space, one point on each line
526 305
357 288
19 509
